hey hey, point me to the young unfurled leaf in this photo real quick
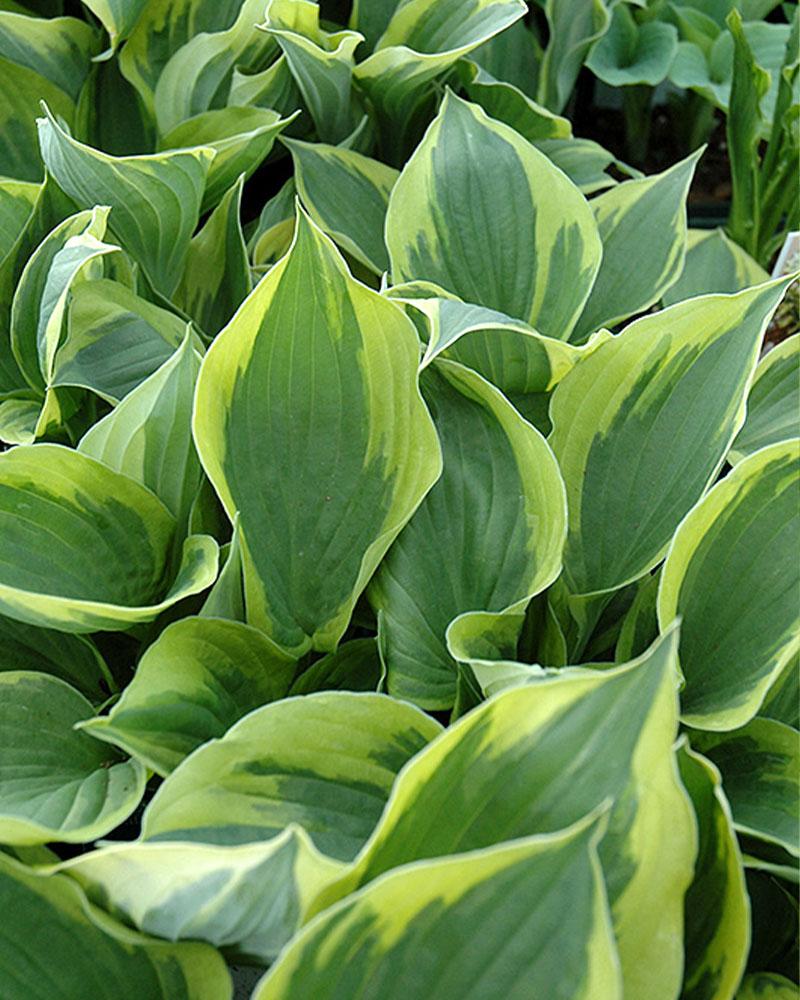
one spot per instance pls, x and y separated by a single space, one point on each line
630 53
454 219
200 677
57 783
492 921
641 427
325 761
355 456
732 576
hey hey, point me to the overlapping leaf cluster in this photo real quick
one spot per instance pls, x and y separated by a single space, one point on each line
405 581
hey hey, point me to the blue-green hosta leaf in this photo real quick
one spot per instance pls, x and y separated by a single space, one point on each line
773 405
347 195
574 26
538 757
115 339
760 765
310 393
355 666
155 200
216 278
241 138
59 946
767 986
511 105
118 17
492 922
321 63
630 53
73 658
423 39
200 677
487 537
642 221
454 219
248 898
714 263
641 427
325 761
717 910
197 77
732 576
56 783
92 550
149 435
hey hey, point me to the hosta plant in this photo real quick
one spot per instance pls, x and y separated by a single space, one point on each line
399 528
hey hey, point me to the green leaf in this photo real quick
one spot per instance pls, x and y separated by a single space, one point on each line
732 576
274 231
422 41
241 138
500 492
585 162
631 53
148 437
570 743
72 658
370 18
767 986
574 25
760 768
326 761
714 263
355 473
59 946
17 202
56 783
321 63
492 923
641 426
92 551
346 194
454 219
226 597
200 677
155 200
640 625
773 405
783 698
118 17
717 932
513 57
641 222
247 899
115 339
355 666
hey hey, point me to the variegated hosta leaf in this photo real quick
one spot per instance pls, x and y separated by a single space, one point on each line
423 39
585 162
273 87
321 63
247 899
346 194
767 986
569 743
717 933
783 698
274 231
642 221
454 219
197 76
57 783
40 59
155 200
17 202
19 419
325 761
115 339
240 137
59 946
632 53
493 924
760 765
308 406
640 625
733 577
355 666
73 658
641 427
149 435
487 537
216 278
118 17
573 27
773 405
93 548
714 263
226 597
200 677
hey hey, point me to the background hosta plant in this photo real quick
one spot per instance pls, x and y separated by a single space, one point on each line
399 509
